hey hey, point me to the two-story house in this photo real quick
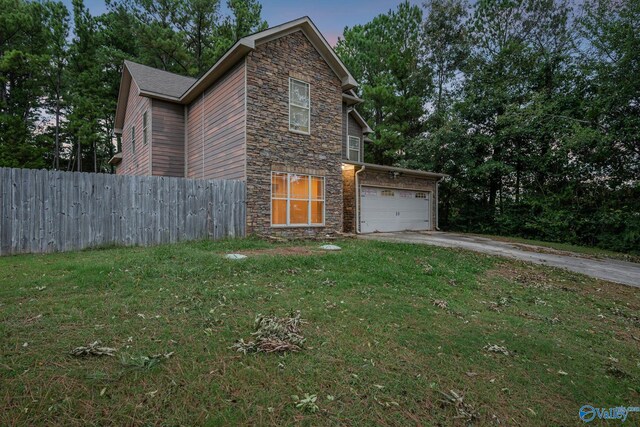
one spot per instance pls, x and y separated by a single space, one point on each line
278 111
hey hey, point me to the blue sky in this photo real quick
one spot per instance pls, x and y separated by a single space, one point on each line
331 16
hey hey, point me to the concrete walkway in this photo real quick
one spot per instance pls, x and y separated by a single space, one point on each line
627 273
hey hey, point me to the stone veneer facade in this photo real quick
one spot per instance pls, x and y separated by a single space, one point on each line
349 198
270 146
380 178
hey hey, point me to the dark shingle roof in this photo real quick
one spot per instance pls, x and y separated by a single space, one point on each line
151 79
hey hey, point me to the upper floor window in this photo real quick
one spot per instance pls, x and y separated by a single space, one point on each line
299 106
133 139
353 152
144 128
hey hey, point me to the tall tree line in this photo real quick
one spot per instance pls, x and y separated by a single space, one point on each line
531 106
60 68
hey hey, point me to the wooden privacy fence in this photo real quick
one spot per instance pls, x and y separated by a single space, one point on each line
47 211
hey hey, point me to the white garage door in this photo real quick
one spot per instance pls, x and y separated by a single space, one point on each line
388 209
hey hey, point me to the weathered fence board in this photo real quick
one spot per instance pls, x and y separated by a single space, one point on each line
48 211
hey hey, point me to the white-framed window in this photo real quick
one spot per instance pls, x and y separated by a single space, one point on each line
296 199
353 149
421 195
144 127
387 193
133 139
299 106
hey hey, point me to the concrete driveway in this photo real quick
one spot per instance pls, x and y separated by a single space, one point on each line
627 273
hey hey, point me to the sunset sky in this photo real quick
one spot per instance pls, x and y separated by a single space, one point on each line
331 16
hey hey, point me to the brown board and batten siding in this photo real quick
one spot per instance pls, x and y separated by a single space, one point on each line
167 154
216 129
135 163
193 155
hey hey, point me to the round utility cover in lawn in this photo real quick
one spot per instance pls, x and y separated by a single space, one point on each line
235 256
330 247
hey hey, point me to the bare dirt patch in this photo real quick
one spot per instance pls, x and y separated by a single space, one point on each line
546 250
284 251
528 276
533 276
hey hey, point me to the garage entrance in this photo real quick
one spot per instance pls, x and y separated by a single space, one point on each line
394 209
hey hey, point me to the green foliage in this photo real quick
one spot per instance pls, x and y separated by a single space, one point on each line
531 106
58 93
384 56
533 109
22 61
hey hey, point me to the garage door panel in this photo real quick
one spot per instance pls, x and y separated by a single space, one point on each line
383 209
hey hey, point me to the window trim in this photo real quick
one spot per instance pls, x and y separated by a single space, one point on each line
133 139
291 80
145 126
288 200
349 147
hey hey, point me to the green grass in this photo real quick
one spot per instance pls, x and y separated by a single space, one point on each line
375 342
567 247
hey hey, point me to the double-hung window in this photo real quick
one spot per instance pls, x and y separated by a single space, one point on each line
296 200
299 106
354 149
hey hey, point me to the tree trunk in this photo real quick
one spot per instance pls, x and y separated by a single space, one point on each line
72 161
500 197
3 93
518 183
493 192
57 149
3 87
79 156
439 102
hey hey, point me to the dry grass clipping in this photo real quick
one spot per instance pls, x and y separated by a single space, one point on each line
274 335
495 348
441 304
93 349
464 410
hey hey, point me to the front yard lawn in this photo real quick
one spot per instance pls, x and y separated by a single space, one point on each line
391 329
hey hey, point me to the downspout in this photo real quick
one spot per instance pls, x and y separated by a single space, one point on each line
347 118
358 200
438 203
346 137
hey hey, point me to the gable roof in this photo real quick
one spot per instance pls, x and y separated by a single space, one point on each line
154 81
249 43
366 129
172 87
306 25
151 82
